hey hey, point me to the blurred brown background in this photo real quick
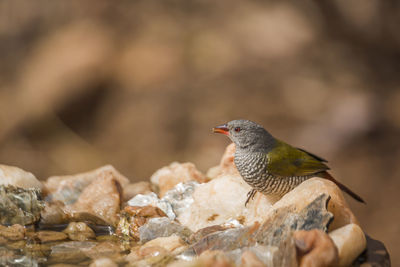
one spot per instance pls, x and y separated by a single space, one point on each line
139 84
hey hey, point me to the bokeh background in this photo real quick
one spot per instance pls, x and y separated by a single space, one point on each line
139 84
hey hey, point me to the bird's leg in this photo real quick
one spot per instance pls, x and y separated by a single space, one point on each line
251 195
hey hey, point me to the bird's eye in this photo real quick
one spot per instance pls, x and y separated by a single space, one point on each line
237 129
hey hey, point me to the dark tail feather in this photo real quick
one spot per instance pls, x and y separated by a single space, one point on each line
326 175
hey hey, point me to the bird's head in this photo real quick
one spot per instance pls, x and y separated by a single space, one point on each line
246 134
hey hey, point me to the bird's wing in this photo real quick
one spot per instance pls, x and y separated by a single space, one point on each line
286 161
313 155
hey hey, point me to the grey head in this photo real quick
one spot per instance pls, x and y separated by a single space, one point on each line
247 135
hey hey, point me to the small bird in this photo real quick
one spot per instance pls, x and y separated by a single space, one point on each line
271 166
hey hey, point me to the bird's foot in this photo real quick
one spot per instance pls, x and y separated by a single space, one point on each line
250 195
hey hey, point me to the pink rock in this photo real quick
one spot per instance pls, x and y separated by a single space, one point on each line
96 194
315 248
63 187
101 198
167 177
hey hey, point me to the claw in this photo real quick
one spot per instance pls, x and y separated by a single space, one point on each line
250 195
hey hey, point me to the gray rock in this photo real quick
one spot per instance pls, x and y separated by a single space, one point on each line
286 220
19 206
180 197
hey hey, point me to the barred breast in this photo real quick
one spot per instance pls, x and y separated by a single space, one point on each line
253 168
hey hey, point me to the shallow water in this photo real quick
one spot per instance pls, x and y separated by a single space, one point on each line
32 251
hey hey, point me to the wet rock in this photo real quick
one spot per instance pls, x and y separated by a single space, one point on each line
50 236
350 241
79 231
11 258
133 217
71 252
14 245
17 177
167 177
226 165
315 248
103 262
162 227
37 251
19 206
12 233
108 249
53 213
152 199
134 189
221 200
6 256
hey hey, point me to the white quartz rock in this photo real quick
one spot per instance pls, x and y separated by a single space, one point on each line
350 241
222 200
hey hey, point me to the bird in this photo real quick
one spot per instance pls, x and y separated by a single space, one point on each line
271 166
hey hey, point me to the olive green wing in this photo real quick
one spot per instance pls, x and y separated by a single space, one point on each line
286 161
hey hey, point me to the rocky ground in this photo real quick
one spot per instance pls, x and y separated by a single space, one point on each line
181 217
140 83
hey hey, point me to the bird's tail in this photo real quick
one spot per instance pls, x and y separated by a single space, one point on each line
326 175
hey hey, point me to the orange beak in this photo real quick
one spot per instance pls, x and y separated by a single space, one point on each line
223 129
